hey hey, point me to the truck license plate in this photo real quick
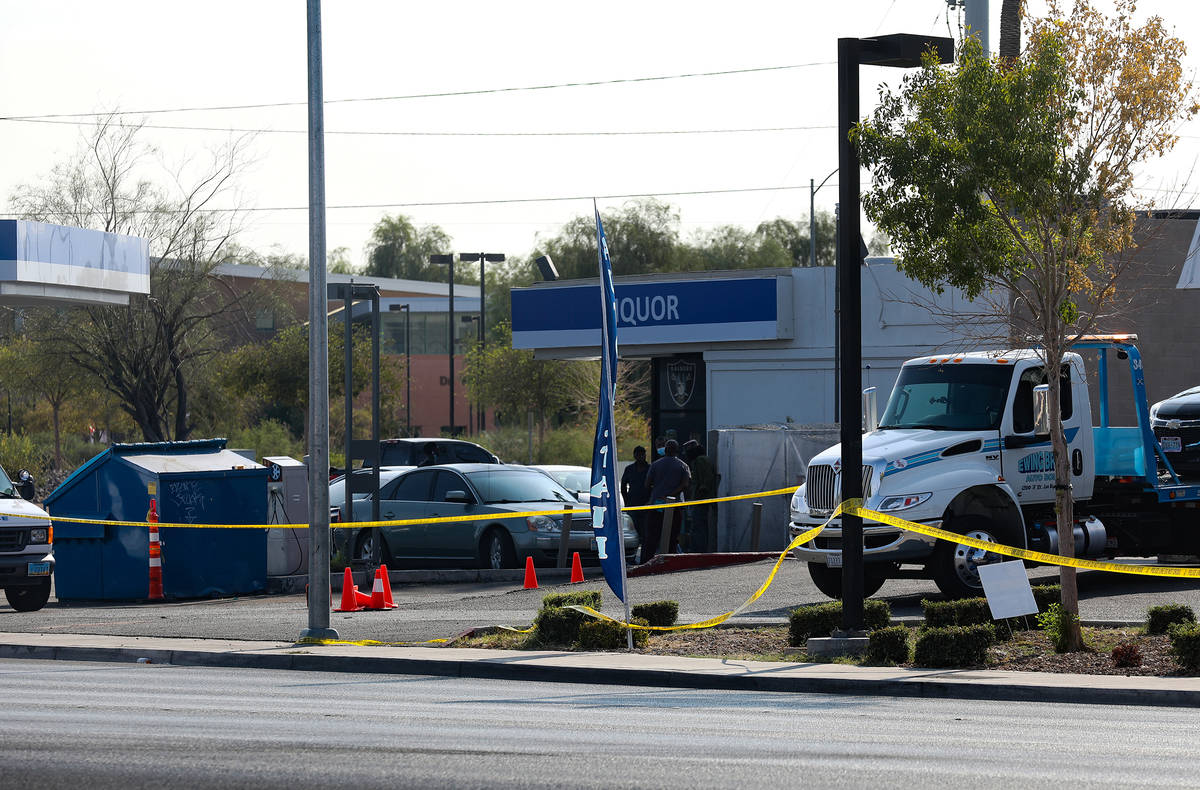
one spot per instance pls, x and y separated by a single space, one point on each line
38 569
834 560
1171 444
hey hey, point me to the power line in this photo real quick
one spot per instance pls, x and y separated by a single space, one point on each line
494 202
438 95
369 133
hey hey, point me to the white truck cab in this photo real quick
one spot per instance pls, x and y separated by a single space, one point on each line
957 447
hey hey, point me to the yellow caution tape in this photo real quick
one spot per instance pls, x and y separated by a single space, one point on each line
799 540
311 640
1024 554
401 522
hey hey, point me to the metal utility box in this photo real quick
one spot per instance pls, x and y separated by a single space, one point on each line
197 482
287 503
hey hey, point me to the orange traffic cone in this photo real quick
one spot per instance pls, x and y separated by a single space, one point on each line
530 575
349 594
387 588
364 599
155 555
576 569
377 599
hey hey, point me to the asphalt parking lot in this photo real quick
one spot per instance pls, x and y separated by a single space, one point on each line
430 611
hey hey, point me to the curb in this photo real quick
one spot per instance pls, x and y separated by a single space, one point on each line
593 668
670 563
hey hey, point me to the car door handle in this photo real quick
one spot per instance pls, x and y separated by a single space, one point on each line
391 516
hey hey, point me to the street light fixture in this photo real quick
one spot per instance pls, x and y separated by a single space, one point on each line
482 257
902 51
448 260
812 217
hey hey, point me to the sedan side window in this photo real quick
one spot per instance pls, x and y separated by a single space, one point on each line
413 487
446 482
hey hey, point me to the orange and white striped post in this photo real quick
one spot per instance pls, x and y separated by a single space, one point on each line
156 585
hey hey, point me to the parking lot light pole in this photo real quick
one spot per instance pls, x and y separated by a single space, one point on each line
448 260
483 258
318 348
901 51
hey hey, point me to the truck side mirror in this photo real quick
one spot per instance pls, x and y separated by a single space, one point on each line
1041 409
870 410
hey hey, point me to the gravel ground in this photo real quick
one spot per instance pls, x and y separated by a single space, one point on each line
1028 651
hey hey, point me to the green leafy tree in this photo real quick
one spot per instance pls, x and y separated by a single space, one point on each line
398 248
36 367
794 236
1015 177
732 247
643 237
514 383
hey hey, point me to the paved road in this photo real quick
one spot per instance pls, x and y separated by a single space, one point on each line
128 726
435 611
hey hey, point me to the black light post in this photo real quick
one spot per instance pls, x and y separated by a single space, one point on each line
449 260
483 258
903 51
407 366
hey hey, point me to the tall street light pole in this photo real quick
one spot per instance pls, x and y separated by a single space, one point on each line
483 258
903 51
448 260
318 346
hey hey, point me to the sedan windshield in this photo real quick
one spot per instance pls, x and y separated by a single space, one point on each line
518 485
952 397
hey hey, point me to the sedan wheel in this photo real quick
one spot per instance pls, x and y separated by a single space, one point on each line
498 550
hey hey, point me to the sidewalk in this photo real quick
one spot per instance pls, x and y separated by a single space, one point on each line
630 669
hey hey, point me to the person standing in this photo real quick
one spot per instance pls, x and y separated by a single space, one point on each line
634 491
703 486
667 477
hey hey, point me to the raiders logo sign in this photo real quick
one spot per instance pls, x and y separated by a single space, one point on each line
681 381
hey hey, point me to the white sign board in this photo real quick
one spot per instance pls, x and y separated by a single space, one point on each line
1006 586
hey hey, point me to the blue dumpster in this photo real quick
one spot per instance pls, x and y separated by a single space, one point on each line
196 482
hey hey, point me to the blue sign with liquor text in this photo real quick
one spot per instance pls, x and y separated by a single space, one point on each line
661 311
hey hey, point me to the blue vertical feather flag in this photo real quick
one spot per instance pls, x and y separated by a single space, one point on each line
605 493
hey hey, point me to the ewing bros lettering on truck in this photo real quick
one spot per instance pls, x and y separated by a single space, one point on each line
962 446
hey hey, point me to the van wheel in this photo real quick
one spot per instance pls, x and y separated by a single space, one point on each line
829 580
956 567
28 599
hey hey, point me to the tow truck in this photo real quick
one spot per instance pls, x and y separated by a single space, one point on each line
964 445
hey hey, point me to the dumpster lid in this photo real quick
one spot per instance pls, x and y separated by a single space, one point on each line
192 462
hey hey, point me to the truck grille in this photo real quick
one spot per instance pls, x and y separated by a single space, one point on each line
13 539
824 487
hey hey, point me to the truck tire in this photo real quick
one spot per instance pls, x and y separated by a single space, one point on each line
829 580
28 598
956 567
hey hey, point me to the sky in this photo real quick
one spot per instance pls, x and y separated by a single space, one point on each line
486 191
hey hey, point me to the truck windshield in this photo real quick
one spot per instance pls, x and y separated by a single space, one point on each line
7 489
951 397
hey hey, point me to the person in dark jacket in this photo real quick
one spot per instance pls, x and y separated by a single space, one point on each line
667 477
634 491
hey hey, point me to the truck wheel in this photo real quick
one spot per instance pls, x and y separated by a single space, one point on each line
28 599
956 567
829 580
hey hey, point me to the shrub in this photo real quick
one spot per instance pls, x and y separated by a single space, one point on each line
1056 622
18 451
659 613
558 626
968 611
888 645
1160 618
577 598
608 635
822 619
1127 654
1185 644
954 645
1044 595
269 437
